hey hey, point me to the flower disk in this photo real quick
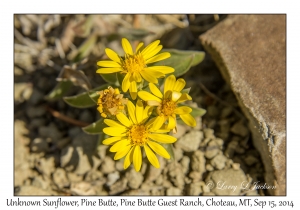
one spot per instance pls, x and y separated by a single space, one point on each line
110 102
135 65
167 107
138 135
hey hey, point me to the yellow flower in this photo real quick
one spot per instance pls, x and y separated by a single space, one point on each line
134 65
129 135
166 103
110 102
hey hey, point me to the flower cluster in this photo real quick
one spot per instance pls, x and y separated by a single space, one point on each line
145 119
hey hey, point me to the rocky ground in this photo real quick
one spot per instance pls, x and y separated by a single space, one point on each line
53 156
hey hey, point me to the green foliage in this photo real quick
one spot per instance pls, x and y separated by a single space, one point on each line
86 99
101 136
82 100
111 78
169 149
181 60
59 90
95 128
186 90
197 112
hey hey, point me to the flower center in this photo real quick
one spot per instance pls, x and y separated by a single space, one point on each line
167 107
110 102
138 135
133 63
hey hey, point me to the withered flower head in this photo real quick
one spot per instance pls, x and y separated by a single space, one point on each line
111 102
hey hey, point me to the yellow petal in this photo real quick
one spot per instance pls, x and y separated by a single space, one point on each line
153 103
151 157
108 64
188 119
131 111
152 52
133 90
169 83
158 122
108 70
168 95
176 95
112 131
112 55
128 158
126 83
156 74
172 123
184 97
155 90
123 152
146 113
146 96
162 138
137 158
163 130
127 46
124 120
162 69
159 149
179 85
118 146
159 57
117 91
137 77
150 47
148 77
139 111
113 123
139 47
112 140
150 122
183 110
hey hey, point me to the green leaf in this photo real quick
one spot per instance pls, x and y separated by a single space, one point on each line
169 149
95 128
111 78
120 78
59 91
181 60
197 112
101 137
93 94
82 100
186 90
180 121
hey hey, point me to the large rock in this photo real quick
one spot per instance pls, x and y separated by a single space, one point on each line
250 51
